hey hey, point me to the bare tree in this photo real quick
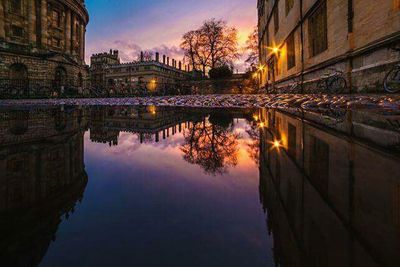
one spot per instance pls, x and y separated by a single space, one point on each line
251 48
190 44
213 44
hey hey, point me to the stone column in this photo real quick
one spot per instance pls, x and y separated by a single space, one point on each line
82 42
43 22
68 31
32 21
73 33
2 30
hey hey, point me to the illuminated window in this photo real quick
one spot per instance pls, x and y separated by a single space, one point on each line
291 52
289 5
318 32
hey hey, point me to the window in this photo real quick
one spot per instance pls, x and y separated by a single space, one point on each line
17 31
16 6
289 5
56 19
276 19
292 144
56 42
291 52
319 164
318 33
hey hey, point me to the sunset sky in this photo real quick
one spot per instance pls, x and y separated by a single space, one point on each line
132 25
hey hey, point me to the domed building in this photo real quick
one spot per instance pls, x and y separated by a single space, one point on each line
42 46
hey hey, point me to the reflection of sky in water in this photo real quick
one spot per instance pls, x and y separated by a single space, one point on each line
146 206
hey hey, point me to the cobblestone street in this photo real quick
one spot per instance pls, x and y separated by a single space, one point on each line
387 103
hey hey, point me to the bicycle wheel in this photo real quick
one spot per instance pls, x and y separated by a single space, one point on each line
337 85
392 81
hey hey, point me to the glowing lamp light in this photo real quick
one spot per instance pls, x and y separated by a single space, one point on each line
275 50
276 144
255 117
261 125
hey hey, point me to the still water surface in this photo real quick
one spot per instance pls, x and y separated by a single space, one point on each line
136 186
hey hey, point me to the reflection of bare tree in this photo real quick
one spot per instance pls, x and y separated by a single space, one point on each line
253 146
211 146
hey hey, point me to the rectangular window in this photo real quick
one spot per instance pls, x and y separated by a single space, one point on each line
291 52
16 6
319 164
17 31
56 19
276 19
292 142
56 42
289 6
318 32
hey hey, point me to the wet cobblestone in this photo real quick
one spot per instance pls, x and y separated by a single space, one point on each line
390 103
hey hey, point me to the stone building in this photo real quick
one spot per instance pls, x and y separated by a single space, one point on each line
303 40
330 197
150 75
42 45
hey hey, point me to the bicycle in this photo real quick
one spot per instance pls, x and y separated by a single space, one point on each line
392 79
333 82
295 86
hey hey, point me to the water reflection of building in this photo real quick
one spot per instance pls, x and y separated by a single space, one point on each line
42 176
332 200
150 123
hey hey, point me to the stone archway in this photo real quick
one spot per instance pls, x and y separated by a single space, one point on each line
18 76
60 78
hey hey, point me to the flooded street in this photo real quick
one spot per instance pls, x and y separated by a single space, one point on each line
163 186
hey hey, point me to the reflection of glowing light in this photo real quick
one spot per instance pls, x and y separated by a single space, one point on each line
152 110
255 117
255 75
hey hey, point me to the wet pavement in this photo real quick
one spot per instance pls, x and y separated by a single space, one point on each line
389 103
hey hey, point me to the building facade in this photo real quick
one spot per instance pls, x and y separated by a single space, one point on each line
144 75
42 45
302 40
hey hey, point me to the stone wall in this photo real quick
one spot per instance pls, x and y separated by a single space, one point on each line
360 46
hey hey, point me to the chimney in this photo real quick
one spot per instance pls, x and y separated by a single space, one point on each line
180 65
157 57
168 61
110 51
164 58
141 56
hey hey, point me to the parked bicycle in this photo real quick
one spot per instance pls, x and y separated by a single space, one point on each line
333 83
392 78
295 86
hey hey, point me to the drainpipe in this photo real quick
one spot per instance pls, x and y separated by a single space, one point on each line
302 46
350 36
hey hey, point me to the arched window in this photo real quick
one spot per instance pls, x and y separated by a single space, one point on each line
19 122
80 80
18 76
60 77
